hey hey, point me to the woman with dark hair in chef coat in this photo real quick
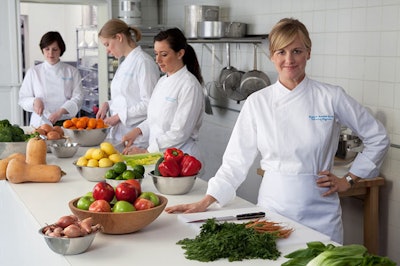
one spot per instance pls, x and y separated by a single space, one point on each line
295 124
53 88
176 107
133 82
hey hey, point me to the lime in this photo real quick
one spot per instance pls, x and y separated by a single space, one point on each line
119 167
139 168
119 177
128 174
138 175
110 174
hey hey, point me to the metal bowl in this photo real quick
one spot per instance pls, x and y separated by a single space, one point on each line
8 148
65 150
121 222
173 185
54 141
68 246
93 174
87 137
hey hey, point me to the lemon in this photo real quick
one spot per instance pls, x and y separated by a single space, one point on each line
82 161
105 162
116 157
108 148
98 154
88 153
93 163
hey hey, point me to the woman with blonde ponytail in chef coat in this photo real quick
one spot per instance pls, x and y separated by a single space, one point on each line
176 107
52 89
295 125
133 82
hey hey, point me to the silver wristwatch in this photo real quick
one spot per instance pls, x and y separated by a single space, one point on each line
350 180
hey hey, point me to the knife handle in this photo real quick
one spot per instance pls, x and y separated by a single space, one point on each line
251 215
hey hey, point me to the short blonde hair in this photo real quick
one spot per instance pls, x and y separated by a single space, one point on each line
285 32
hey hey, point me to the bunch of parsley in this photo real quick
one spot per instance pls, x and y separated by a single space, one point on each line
229 240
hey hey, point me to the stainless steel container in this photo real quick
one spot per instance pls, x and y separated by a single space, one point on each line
235 29
210 29
348 147
196 13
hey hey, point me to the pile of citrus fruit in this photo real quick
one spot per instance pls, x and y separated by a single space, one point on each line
120 171
84 122
103 156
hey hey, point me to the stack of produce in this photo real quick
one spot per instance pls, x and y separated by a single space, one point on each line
50 132
84 122
175 163
30 167
12 133
103 156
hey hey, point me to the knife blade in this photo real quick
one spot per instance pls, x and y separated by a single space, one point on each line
45 120
243 216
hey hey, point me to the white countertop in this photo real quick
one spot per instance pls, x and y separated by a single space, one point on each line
26 207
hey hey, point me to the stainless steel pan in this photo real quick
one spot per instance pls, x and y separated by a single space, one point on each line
253 80
229 79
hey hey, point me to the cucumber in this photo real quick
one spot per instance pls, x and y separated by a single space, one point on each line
156 171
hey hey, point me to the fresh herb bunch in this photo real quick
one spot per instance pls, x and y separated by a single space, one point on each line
229 240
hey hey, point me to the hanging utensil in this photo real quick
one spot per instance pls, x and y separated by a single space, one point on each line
207 108
230 77
253 80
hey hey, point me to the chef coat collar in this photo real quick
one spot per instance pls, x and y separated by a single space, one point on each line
178 73
301 86
50 66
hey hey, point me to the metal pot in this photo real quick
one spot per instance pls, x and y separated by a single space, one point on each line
348 147
196 13
210 29
253 80
229 79
235 29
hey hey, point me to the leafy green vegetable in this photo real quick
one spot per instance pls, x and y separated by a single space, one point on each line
12 133
319 254
229 240
142 158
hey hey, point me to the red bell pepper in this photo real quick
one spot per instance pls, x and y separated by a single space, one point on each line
190 166
173 154
169 168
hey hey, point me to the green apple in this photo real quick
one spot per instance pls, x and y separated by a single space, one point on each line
150 196
84 202
123 206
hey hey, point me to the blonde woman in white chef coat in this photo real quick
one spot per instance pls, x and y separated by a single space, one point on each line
176 107
53 88
133 82
295 125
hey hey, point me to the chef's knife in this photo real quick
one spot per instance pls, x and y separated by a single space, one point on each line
45 120
244 216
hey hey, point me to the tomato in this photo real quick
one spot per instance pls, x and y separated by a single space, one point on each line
126 191
123 206
104 191
100 206
143 204
150 196
136 184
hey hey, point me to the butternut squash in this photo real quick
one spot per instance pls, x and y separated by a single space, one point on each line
19 172
36 151
4 163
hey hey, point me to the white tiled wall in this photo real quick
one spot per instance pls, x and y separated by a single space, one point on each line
356 44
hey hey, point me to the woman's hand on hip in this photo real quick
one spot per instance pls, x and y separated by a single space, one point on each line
331 181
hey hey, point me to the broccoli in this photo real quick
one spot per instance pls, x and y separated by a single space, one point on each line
5 123
11 133
6 134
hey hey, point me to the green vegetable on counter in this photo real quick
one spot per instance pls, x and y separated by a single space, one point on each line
317 254
229 240
142 159
12 133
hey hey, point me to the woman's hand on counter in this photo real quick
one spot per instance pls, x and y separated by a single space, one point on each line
199 206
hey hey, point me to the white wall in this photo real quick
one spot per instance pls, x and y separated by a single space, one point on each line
356 44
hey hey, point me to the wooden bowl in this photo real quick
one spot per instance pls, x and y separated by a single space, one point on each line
122 222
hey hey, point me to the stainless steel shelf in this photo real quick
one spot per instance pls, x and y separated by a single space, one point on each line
248 39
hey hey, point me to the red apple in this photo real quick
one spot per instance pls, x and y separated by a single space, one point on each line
104 191
127 192
100 206
143 204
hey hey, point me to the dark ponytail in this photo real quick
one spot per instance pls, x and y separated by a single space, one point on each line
177 41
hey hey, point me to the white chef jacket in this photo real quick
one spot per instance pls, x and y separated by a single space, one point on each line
175 113
58 85
131 89
297 134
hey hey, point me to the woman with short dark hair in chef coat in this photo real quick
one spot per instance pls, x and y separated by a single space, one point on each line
295 125
133 82
53 88
176 108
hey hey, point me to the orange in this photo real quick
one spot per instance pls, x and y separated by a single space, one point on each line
68 124
92 123
74 120
81 124
100 123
